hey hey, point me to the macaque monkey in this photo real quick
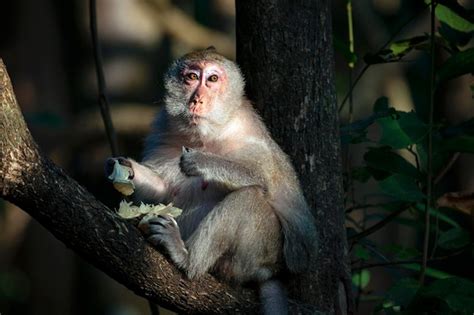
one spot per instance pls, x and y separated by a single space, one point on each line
244 215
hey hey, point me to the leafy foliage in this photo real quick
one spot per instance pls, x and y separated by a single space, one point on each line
396 159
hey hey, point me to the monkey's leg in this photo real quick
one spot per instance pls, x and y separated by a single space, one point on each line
241 233
241 227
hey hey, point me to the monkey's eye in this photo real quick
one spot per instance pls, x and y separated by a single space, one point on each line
192 76
213 78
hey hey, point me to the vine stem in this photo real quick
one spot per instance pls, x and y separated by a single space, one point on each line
411 261
103 99
366 67
429 177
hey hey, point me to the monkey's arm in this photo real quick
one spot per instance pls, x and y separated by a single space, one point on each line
149 186
218 169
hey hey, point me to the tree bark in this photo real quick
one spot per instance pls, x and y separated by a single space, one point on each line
31 181
285 51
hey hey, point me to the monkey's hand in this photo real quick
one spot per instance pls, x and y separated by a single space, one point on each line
190 162
162 231
110 163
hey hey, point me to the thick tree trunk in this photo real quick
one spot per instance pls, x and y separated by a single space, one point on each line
285 51
31 181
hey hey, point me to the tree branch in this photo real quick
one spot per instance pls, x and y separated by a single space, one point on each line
32 181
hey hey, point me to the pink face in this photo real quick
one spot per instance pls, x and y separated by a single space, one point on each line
204 81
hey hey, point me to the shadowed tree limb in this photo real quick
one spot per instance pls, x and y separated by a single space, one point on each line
31 181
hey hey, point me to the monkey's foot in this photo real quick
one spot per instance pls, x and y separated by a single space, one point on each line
163 231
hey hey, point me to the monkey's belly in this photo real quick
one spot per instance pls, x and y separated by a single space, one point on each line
196 200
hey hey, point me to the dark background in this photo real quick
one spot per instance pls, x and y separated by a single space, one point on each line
47 49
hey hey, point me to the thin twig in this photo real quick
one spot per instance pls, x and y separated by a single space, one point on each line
447 167
436 236
429 179
103 100
378 225
412 261
357 207
415 155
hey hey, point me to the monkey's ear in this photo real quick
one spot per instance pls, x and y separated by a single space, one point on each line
211 49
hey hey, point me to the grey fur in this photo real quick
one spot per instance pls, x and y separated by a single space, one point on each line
245 217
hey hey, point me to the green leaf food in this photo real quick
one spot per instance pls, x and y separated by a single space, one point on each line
120 178
128 211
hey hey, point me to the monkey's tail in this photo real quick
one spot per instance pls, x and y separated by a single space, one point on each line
273 297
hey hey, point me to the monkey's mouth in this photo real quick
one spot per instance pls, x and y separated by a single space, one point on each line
195 119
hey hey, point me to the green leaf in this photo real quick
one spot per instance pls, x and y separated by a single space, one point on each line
401 47
357 131
430 272
343 48
458 64
361 279
454 20
361 253
437 213
460 303
361 174
397 50
402 292
381 104
401 187
402 252
457 292
402 129
462 143
454 238
386 160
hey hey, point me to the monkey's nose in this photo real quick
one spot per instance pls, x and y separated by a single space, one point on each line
197 100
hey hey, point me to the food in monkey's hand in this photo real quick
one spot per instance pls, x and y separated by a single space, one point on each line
120 177
129 211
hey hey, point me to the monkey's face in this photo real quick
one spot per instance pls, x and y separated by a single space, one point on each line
205 84
203 89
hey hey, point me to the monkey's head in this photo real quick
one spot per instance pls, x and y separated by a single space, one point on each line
203 88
